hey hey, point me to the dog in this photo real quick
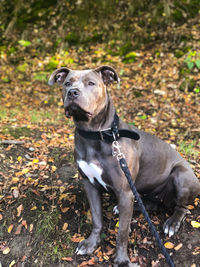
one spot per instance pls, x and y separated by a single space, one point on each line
157 169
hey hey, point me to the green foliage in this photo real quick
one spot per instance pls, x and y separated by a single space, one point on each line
192 60
52 65
22 67
190 65
130 57
72 38
24 43
197 90
40 76
72 23
143 117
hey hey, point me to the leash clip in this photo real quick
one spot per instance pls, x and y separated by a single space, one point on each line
116 152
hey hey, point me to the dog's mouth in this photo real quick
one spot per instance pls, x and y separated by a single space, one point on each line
78 113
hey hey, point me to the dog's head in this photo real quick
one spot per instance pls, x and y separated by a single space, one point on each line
84 91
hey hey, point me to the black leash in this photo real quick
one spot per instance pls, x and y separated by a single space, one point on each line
123 164
111 135
126 171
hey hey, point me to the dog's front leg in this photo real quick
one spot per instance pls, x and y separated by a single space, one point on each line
125 206
88 245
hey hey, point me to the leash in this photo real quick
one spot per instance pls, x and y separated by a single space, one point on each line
111 135
123 164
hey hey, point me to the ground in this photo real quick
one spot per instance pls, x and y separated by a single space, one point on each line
44 212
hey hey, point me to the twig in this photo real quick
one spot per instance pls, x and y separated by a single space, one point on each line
12 142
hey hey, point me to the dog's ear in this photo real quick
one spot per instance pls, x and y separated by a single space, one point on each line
108 74
59 76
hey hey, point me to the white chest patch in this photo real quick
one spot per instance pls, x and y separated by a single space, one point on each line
92 171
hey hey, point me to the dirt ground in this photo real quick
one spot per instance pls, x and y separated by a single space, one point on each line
47 243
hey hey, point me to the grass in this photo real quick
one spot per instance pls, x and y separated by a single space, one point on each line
189 149
16 132
3 113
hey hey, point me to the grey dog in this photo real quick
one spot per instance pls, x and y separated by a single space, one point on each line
156 168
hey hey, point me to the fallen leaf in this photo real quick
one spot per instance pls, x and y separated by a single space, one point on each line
65 225
91 261
77 238
1 217
15 180
83 263
10 228
24 223
23 258
195 224
117 224
25 170
178 246
65 209
105 257
19 210
16 193
34 208
35 161
110 251
67 259
31 227
62 189
6 250
35 192
53 168
19 228
12 263
169 245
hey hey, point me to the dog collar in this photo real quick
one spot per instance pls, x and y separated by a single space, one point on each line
111 134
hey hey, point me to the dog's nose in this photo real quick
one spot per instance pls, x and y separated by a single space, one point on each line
73 94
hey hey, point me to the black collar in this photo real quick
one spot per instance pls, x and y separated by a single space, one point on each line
111 134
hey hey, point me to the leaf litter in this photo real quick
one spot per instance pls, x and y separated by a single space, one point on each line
41 194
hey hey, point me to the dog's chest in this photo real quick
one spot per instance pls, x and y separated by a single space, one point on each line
92 171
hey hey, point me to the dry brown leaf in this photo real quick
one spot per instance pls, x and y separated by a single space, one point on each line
31 227
67 259
178 246
19 228
24 223
65 209
19 210
65 226
6 250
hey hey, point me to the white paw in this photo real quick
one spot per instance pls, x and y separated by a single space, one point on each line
115 210
80 251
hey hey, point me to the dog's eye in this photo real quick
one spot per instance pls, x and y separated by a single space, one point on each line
91 83
67 84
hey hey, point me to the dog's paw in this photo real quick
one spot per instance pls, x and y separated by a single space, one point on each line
86 247
173 223
171 227
125 264
122 260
